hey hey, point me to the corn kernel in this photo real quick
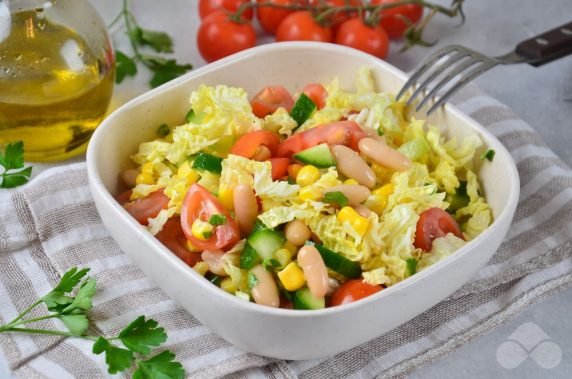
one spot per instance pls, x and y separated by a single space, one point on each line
310 193
292 277
351 182
228 285
185 171
291 247
375 204
284 256
307 175
201 268
144 178
226 197
147 168
360 225
382 194
201 229
348 214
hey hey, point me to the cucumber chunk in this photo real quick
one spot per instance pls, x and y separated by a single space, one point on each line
339 263
249 257
207 162
319 156
305 300
302 109
266 242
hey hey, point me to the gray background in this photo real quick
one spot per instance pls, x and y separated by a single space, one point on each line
541 96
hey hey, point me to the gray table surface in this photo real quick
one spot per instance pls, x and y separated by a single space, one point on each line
541 96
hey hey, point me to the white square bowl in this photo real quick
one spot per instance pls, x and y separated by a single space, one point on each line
280 333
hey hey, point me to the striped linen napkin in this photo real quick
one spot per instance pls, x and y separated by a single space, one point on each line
51 225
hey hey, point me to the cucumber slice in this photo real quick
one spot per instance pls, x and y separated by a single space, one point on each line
339 263
458 200
305 300
302 109
207 162
266 242
319 156
249 257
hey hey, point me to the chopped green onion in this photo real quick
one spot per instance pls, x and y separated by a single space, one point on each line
271 263
380 131
302 109
489 155
252 280
207 235
217 219
411 266
336 197
208 162
163 130
190 116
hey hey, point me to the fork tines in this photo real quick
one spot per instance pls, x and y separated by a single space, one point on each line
455 66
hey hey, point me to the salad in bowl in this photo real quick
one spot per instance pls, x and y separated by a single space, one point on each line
306 201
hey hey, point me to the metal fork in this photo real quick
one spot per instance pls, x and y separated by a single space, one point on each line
457 65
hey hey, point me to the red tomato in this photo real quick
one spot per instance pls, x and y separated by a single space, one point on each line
434 223
201 204
124 197
372 40
392 19
219 36
270 17
270 99
207 7
317 93
174 239
337 133
247 145
353 290
147 207
279 167
339 17
301 26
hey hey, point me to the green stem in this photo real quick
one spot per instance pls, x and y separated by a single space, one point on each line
47 332
23 322
25 312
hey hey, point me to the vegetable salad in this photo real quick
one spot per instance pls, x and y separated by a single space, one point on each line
308 201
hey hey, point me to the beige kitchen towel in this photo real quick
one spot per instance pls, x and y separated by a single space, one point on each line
51 224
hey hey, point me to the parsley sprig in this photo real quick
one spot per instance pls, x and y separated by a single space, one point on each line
15 174
70 301
163 69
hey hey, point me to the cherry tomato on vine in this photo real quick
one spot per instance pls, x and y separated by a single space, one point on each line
207 7
434 223
317 93
370 39
301 26
353 290
270 17
392 19
339 17
219 36
270 99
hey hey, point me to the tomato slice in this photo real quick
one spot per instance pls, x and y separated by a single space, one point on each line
434 223
174 239
148 206
336 133
270 99
317 93
246 145
201 204
279 167
124 197
353 290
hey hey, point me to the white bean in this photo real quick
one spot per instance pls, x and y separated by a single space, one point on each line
265 291
333 285
297 232
315 272
383 155
213 258
245 207
129 177
353 166
355 193
362 210
262 154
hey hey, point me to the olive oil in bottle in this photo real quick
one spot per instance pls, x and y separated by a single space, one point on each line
54 91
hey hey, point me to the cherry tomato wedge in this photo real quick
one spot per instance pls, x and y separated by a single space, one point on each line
337 133
270 99
124 197
317 93
353 290
201 204
174 239
279 167
434 223
148 206
246 145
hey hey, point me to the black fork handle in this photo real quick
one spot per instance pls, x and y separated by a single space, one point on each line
548 46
